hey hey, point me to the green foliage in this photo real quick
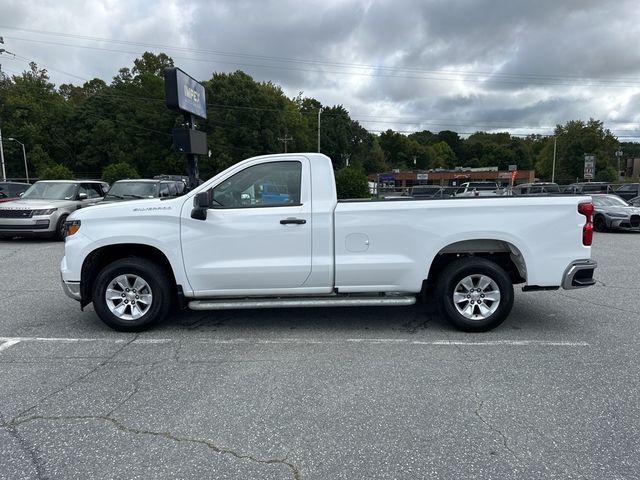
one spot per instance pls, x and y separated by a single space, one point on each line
573 140
118 171
55 171
351 182
90 127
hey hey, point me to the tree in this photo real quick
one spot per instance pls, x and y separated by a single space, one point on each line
55 172
118 171
573 140
351 182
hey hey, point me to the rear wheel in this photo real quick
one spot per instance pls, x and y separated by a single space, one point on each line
132 294
474 294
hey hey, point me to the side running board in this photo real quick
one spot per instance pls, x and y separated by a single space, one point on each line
294 302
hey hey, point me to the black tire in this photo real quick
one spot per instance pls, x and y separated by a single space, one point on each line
599 224
61 232
141 307
482 307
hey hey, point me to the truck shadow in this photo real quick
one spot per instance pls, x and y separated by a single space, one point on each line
311 320
421 318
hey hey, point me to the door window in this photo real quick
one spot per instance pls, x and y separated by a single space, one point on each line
272 184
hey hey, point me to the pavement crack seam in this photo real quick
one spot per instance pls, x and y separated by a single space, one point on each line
29 449
598 304
505 439
167 435
78 379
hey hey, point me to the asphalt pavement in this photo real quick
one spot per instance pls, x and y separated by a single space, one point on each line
359 393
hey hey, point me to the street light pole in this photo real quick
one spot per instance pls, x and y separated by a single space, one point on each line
24 155
553 168
4 173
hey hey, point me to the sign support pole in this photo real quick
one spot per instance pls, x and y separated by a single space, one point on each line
192 158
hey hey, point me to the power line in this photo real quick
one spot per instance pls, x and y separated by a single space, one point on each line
318 62
388 72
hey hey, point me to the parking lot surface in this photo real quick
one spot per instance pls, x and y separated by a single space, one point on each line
386 393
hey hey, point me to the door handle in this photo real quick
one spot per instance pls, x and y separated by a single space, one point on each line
296 221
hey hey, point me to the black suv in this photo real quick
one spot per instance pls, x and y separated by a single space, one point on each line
142 188
12 190
587 188
628 191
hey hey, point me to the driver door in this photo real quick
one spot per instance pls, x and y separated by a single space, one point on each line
257 237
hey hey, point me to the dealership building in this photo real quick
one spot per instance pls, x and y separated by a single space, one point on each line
452 178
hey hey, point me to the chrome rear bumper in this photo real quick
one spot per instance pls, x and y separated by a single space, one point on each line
579 274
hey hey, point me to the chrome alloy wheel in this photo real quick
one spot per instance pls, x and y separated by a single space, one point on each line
476 297
128 297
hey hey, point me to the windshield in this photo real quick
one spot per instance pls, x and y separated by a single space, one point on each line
608 201
482 186
51 191
132 190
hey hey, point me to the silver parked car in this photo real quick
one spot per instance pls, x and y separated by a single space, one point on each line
612 212
45 206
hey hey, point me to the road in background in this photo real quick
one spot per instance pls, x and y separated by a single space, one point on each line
321 393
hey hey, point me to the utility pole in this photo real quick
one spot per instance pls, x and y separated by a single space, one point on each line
319 112
4 174
618 156
285 139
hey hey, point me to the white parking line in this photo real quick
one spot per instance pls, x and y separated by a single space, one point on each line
9 341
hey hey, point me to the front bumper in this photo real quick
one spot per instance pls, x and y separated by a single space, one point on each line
71 289
19 227
579 274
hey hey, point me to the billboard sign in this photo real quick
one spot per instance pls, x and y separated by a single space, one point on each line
184 93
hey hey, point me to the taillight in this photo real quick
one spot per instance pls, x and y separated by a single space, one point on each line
586 209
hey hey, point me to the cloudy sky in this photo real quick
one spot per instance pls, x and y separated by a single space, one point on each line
465 65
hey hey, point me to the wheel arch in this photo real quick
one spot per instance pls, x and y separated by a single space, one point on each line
504 253
101 257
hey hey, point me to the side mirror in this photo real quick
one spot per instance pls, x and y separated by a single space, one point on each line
82 196
201 203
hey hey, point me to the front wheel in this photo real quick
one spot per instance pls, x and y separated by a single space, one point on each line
132 294
474 294
599 224
61 230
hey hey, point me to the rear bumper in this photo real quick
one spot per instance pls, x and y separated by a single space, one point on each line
579 274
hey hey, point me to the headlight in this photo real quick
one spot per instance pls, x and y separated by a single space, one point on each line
618 215
44 211
72 227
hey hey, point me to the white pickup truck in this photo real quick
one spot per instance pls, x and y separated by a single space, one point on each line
270 232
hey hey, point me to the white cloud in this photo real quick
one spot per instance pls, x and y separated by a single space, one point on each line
473 63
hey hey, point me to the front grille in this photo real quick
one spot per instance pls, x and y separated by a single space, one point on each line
40 226
16 213
635 221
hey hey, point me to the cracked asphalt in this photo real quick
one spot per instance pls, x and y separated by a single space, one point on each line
387 393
